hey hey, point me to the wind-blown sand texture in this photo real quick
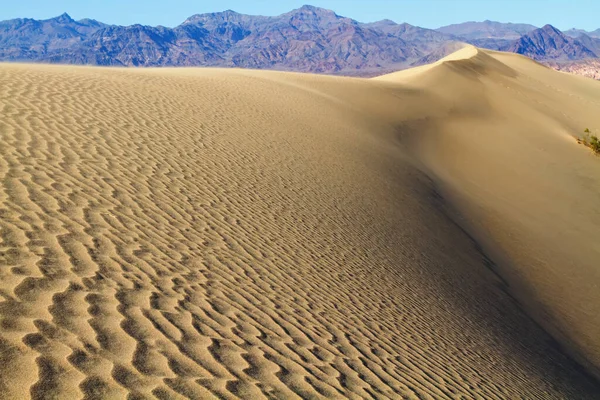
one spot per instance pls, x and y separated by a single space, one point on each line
205 233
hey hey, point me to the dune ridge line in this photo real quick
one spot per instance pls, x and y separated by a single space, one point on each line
212 233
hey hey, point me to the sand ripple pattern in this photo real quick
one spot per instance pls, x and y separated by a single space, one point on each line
227 234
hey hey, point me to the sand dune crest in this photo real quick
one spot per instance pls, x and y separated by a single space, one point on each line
199 233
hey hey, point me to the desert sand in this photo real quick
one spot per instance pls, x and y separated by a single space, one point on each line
209 233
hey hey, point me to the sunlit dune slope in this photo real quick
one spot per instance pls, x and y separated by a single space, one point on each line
507 158
199 233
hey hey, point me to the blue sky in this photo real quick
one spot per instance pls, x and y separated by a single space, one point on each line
564 14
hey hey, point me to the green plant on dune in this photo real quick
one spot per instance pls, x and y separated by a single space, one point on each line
591 141
595 144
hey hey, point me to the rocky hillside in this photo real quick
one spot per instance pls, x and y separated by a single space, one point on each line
29 39
548 43
589 68
309 39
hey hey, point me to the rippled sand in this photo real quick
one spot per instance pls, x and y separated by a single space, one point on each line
207 233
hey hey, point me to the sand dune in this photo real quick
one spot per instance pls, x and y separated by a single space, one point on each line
205 233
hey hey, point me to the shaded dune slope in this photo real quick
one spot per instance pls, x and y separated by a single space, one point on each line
505 156
184 233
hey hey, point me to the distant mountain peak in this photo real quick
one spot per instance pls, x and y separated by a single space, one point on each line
551 29
64 18
227 15
550 43
310 17
386 22
308 7
317 11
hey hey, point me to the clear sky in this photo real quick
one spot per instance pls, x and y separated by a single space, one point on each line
564 14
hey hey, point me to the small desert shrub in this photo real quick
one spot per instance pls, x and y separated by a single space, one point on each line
594 144
590 141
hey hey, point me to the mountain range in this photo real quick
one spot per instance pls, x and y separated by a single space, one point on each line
308 39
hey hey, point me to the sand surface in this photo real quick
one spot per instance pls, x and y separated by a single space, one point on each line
206 233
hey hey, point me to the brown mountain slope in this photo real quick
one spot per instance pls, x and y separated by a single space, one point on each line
550 44
225 233
307 39
589 68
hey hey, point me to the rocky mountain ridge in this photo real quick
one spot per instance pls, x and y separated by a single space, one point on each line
309 39
548 43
